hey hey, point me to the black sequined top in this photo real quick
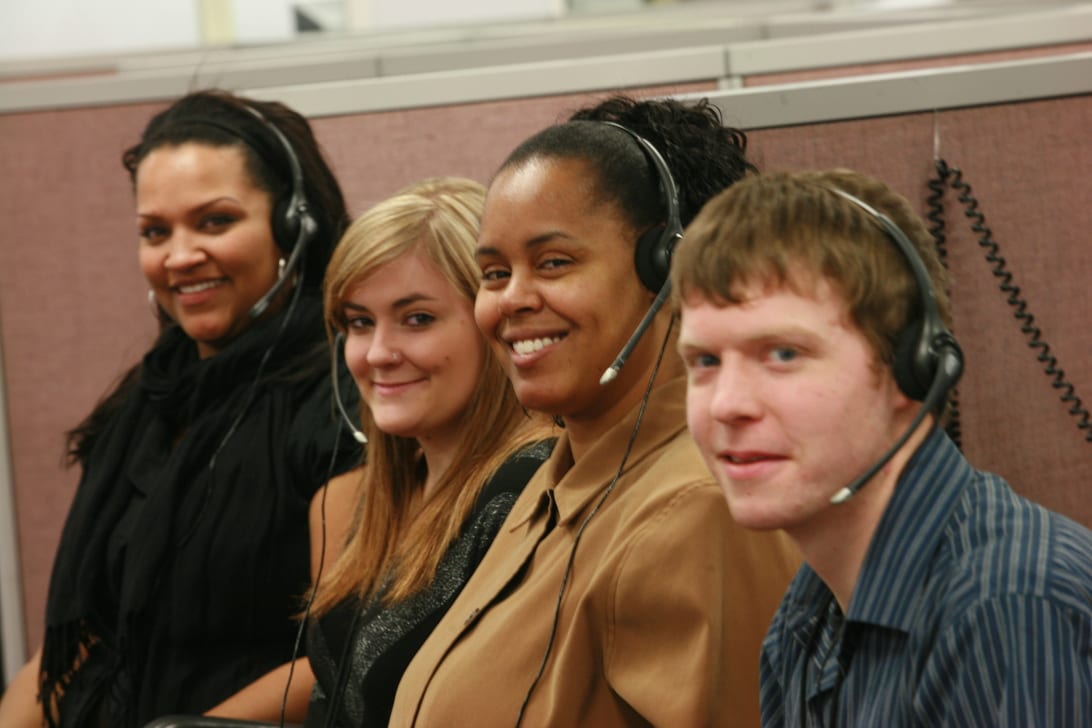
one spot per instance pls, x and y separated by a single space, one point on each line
359 652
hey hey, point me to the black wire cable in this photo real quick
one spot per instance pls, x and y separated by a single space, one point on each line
953 425
953 176
318 574
580 531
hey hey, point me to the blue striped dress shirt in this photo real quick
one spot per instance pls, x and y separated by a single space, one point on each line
973 608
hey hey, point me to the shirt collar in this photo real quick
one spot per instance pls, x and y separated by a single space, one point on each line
574 485
900 555
805 603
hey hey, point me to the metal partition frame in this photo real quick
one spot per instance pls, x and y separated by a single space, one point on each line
493 68
904 92
765 18
900 42
12 637
749 108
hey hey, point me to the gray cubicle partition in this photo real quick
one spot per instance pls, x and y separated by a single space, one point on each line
12 645
420 71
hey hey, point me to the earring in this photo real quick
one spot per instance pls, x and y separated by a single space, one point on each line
153 304
281 263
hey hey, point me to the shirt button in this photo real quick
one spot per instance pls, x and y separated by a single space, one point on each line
473 615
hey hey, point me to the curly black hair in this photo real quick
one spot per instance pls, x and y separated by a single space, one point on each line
703 155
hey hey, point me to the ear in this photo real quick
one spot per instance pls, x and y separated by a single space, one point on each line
904 408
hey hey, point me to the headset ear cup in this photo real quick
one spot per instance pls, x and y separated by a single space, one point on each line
913 365
652 256
285 223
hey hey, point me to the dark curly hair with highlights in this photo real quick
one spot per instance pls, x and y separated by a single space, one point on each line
704 156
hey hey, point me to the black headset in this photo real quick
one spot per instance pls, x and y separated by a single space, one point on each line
654 248
928 359
653 251
335 349
925 349
294 226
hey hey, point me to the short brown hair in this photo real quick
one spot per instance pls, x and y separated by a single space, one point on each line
775 228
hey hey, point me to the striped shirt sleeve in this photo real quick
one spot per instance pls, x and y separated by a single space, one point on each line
1012 661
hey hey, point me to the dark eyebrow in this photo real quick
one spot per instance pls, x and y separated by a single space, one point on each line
541 239
199 209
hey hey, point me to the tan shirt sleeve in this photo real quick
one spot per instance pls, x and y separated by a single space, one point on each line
691 604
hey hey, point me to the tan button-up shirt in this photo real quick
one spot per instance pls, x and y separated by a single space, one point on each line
663 615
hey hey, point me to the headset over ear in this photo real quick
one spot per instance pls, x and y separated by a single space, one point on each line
652 254
294 226
928 359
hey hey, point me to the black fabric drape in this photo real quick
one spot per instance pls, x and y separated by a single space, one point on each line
185 548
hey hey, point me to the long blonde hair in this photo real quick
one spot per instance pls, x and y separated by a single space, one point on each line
396 543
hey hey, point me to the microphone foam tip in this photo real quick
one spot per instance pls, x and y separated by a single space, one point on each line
841 496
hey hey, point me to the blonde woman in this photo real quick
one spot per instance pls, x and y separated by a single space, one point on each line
449 447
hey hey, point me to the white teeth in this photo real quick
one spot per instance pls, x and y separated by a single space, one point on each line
198 287
528 346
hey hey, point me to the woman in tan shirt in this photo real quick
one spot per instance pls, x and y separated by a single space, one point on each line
618 591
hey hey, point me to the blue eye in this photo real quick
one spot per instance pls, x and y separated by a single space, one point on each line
701 361
784 354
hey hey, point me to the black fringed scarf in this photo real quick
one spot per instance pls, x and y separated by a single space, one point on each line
119 541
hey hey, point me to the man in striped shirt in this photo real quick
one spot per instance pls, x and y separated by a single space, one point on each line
814 329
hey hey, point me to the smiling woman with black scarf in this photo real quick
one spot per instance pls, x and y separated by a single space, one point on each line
186 552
